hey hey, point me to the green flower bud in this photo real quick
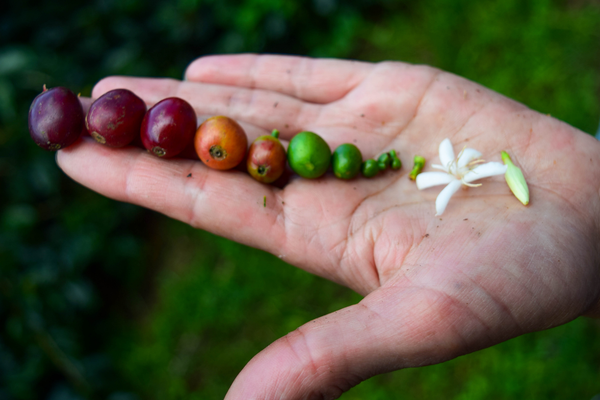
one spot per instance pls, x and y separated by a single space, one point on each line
419 163
515 179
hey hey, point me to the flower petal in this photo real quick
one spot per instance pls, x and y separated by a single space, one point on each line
484 170
444 197
438 166
446 153
428 179
467 155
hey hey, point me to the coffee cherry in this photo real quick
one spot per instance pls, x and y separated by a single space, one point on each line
56 118
369 168
168 127
221 143
309 155
346 161
384 161
266 158
114 119
396 163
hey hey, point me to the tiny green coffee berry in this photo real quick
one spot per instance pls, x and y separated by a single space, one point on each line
369 168
396 163
384 161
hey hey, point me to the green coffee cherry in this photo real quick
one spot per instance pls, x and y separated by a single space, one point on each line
369 168
346 161
396 163
384 161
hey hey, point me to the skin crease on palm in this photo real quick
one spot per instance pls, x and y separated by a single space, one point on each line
487 270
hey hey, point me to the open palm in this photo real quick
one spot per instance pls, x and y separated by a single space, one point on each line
435 288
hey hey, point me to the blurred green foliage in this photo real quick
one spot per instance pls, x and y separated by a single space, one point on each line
542 53
212 313
100 299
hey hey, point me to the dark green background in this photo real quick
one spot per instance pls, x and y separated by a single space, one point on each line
104 300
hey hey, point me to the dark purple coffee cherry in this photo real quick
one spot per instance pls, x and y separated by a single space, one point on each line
115 118
168 127
56 118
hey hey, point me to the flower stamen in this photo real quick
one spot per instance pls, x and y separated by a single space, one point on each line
470 184
475 162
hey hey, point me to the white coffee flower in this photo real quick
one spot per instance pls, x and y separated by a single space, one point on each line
462 170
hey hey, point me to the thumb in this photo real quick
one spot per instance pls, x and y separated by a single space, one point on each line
389 330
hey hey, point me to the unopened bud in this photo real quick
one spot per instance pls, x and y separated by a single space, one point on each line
515 179
419 163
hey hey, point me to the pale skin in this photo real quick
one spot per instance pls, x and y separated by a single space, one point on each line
489 269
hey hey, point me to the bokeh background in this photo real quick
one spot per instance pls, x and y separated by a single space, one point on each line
104 300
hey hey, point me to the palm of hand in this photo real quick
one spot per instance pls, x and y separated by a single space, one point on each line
487 270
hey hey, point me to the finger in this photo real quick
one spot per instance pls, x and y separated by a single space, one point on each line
228 203
86 102
261 109
264 109
387 331
312 80
252 131
594 312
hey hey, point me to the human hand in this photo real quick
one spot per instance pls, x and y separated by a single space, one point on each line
435 288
